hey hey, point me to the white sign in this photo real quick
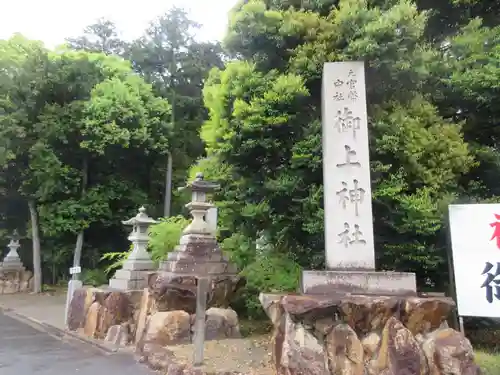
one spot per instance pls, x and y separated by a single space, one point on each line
475 241
74 270
346 168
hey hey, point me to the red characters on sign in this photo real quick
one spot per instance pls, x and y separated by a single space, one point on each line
496 233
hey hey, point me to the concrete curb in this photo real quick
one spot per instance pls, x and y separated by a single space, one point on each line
58 332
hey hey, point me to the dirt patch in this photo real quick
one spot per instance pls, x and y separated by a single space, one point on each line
251 355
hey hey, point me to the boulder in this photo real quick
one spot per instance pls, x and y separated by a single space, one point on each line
76 310
144 310
116 310
399 352
297 351
449 352
92 320
344 351
344 334
118 335
220 324
168 327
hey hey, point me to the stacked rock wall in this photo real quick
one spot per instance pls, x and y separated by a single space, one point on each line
366 335
94 311
135 317
15 281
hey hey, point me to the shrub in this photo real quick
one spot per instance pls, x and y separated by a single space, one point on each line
165 236
96 277
266 270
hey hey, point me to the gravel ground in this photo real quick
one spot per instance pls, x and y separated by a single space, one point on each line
248 355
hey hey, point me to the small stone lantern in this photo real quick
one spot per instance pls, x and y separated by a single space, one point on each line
12 260
139 235
135 270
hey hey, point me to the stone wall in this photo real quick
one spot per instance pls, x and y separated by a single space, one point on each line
366 335
15 281
135 318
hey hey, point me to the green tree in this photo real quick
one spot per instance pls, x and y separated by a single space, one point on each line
467 92
169 57
101 36
264 135
23 74
97 128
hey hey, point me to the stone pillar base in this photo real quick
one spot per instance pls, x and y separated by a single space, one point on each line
365 334
358 282
126 279
139 265
13 263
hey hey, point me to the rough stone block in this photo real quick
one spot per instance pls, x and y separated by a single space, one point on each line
118 335
219 324
178 292
92 320
116 310
144 310
359 282
168 327
365 335
77 310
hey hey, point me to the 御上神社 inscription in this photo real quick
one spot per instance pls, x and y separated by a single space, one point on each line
346 163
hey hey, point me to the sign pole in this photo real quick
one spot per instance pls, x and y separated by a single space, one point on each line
199 324
461 324
73 285
456 319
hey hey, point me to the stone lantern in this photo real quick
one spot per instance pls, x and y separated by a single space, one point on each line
197 256
12 260
135 269
139 236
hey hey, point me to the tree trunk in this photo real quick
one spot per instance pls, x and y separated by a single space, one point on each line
168 187
77 256
37 256
168 181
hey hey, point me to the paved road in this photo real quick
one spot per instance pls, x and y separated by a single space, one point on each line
25 350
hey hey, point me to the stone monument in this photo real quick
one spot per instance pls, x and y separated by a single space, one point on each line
350 319
197 255
135 269
349 250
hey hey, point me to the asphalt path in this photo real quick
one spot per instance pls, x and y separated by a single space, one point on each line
26 350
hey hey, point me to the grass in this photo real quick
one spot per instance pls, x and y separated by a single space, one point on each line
488 361
255 327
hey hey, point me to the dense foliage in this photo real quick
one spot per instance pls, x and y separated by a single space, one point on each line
432 123
87 132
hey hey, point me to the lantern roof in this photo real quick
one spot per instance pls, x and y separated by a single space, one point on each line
201 185
141 218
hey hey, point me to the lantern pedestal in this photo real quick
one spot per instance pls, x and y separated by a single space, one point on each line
174 286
